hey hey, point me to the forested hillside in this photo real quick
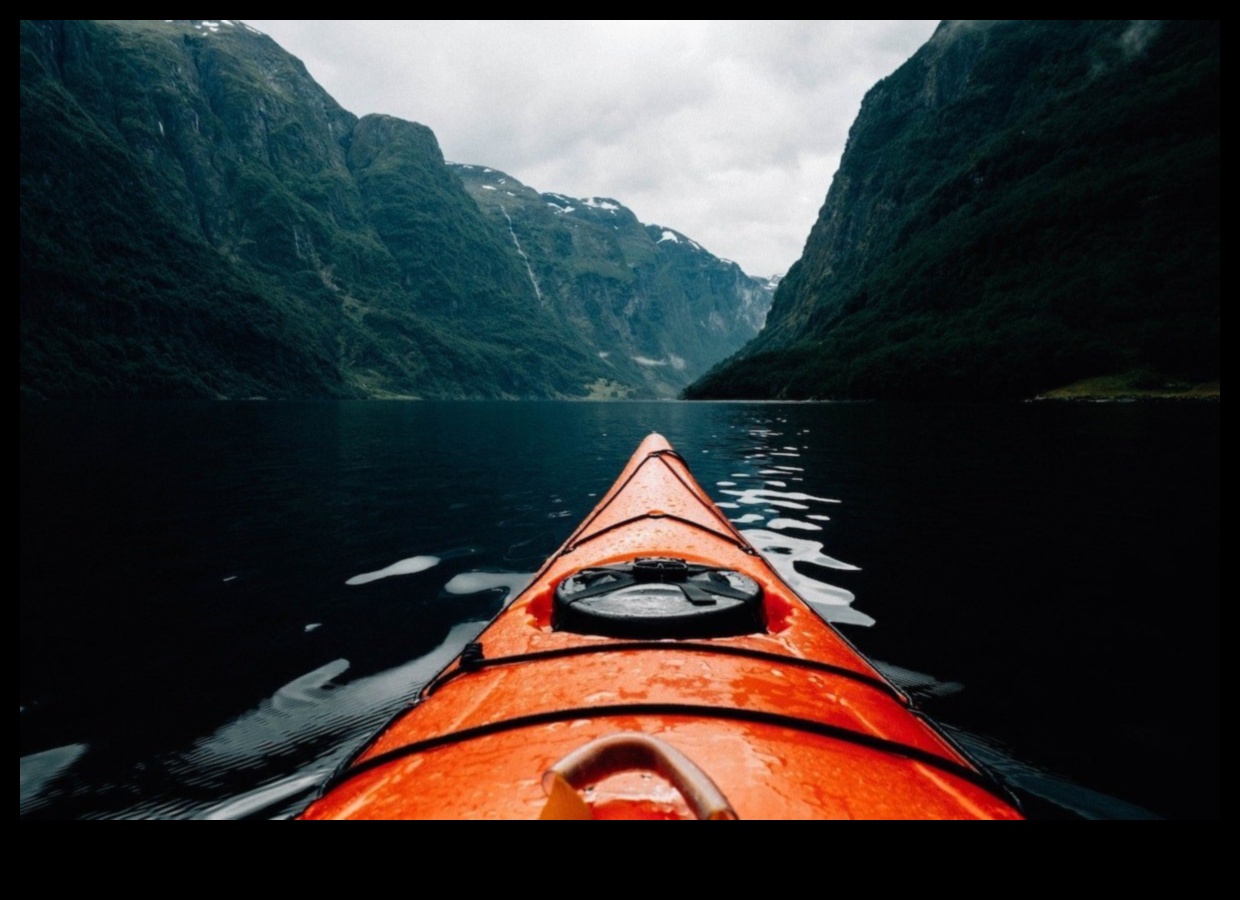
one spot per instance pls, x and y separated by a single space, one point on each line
1021 205
199 218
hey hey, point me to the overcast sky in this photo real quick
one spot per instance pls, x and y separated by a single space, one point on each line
728 132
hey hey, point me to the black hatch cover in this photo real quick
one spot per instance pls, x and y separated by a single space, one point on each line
658 597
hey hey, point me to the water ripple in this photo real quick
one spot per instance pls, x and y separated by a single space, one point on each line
38 770
794 524
776 510
402 567
783 552
474 582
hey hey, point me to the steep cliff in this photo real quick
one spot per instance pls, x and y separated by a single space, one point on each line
199 218
1021 205
653 303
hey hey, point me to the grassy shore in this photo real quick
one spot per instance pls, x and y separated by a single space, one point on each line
1134 386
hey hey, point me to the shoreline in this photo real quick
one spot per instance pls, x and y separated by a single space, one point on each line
1131 387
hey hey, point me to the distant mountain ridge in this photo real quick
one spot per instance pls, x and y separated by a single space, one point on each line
199 218
661 307
1019 206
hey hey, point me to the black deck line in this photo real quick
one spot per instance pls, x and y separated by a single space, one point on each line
684 646
687 710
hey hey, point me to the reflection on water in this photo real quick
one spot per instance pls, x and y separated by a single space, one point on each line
512 583
917 685
784 553
193 661
410 566
783 511
271 801
38 770
794 524
1042 792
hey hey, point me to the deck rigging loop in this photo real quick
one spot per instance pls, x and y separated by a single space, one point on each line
629 751
693 711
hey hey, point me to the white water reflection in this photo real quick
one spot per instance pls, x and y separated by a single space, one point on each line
273 796
316 710
779 512
402 567
38 770
311 711
782 549
859 453
776 498
794 524
309 688
783 552
475 582
752 498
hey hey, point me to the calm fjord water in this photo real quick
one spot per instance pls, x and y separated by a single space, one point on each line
221 600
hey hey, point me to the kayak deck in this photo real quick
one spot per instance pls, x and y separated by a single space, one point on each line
787 722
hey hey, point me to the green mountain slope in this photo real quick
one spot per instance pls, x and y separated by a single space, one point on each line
657 307
1021 205
120 290
199 218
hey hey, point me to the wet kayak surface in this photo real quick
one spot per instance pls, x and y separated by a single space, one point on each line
191 643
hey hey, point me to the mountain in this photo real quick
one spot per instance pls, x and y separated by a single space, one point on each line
199 218
1021 205
655 304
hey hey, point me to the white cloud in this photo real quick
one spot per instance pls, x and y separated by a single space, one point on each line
728 132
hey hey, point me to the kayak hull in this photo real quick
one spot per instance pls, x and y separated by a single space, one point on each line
787 722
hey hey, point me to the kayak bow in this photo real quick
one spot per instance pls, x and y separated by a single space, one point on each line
658 667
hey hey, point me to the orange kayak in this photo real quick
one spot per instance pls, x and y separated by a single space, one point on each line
658 668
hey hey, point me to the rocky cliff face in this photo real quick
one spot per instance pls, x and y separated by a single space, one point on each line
199 218
1020 205
655 305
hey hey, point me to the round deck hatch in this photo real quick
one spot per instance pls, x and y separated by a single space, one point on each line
658 597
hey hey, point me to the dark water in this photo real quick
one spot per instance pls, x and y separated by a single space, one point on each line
1043 578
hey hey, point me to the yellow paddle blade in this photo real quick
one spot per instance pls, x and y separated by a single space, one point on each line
564 803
